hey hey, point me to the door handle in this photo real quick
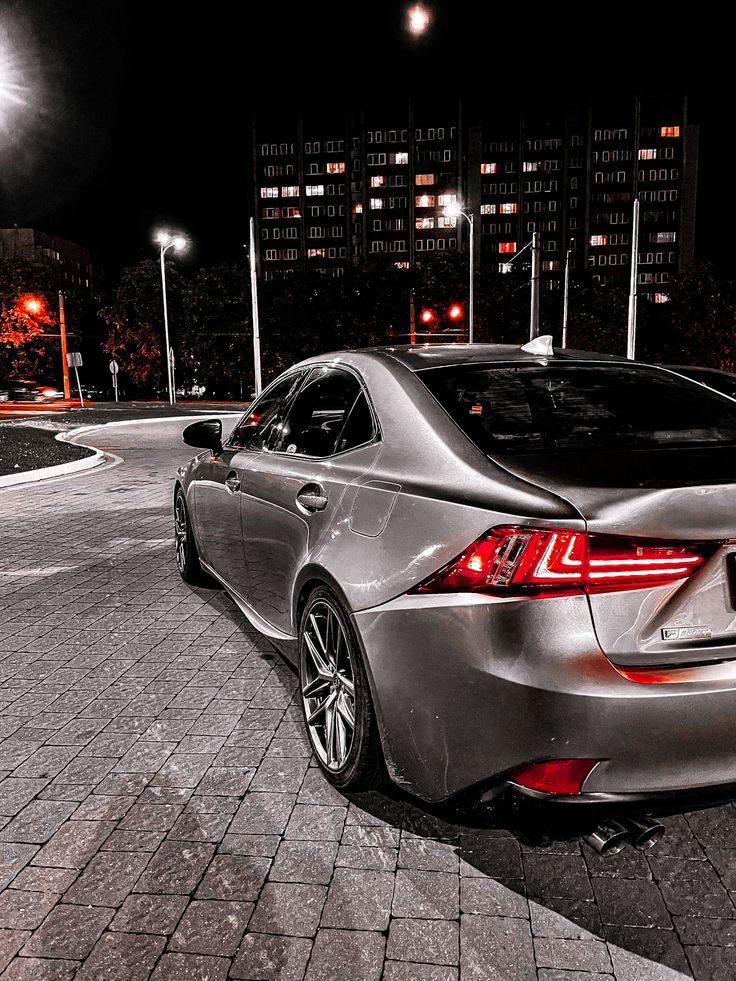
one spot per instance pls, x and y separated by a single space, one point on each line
232 482
312 498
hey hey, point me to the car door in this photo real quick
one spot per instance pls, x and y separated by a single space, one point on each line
219 481
326 440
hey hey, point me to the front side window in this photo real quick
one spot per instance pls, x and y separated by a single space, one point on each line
527 407
252 430
325 417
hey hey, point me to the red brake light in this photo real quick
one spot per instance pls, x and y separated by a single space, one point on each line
554 776
548 560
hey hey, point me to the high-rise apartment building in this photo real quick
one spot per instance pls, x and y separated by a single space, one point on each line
334 190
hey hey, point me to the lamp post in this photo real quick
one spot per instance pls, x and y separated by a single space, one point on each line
455 211
176 242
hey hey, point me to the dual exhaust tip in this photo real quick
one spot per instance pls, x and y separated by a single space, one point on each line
611 836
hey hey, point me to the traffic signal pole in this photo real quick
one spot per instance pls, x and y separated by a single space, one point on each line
64 364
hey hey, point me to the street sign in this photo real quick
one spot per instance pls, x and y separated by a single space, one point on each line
171 356
114 367
74 359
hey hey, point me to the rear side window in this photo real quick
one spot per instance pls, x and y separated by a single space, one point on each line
252 430
525 407
317 418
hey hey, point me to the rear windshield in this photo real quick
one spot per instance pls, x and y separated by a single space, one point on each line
525 407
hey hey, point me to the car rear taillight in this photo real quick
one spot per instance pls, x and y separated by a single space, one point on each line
548 561
554 776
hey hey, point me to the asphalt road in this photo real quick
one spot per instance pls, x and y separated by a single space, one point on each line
161 816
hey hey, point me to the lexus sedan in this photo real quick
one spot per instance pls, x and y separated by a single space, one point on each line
505 571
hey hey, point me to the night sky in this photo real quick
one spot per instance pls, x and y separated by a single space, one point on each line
138 113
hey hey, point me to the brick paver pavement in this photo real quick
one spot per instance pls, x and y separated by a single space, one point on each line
161 816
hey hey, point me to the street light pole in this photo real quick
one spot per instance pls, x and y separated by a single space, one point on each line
64 365
536 256
566 298
633 299
455 211
177 242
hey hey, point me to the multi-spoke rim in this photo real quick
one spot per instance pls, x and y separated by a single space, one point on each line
328 687
180 531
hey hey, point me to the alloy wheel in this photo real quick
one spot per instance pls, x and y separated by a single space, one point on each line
327 684
181 531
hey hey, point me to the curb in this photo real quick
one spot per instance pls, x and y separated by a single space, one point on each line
88 462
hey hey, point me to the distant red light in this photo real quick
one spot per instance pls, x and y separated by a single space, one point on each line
426 316
455 311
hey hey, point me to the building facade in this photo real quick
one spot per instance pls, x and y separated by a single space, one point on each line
330 190
61 265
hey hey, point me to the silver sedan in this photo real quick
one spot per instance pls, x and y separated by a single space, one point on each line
498 570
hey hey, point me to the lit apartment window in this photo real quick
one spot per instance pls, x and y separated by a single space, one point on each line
315 190
445 221
488 209
377 203
488 168
377 181
509 208
424 223
290 191
530 165
269 192
424 200
358 208
425 179
401 265
443 200
666 237
661 298
507 246
271 213
399 158
290 213
669 131
599 240
647 154
335 168
551 265
316 253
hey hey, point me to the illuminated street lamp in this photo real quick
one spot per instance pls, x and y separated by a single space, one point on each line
176 242
418 19
455 211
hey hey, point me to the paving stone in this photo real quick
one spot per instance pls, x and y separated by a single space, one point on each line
657 945
39 879
183 770
263 814
484 855
142 913
699 930
551 974
565 876
194 825
133 841
37 822
572 955
428 895
498 944
13 857
68 932
74 844
359 899
364 857
16 793
493 898
145 757
623 905
346 955
304 861
150 817
317 822
250 844
271 958
190 967
406 971
176 867
289 908
370 837
431 941
21 909
418 853
237 877
703 894
40 969
211 927
108 879
228 780
283 775
122 957
102 807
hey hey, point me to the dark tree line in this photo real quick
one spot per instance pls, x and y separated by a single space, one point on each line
307 314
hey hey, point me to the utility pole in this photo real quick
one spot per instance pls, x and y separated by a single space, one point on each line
631 331
412 318
64 364
566 298
254 307
536 256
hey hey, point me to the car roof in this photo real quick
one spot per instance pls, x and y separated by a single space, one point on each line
419 356
698 369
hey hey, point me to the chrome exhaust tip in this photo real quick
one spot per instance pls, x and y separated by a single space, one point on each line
608 838
645 832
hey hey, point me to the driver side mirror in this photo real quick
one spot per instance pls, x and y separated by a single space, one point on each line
206 434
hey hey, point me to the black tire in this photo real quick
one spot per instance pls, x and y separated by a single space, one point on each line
359 767
187 556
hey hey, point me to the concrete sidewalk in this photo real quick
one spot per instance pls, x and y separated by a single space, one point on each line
161 816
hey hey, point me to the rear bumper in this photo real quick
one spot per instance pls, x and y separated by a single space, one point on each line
468 688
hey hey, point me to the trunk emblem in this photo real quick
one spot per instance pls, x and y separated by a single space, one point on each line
686 633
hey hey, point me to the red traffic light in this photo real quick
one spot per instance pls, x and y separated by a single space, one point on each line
426 316
455 311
